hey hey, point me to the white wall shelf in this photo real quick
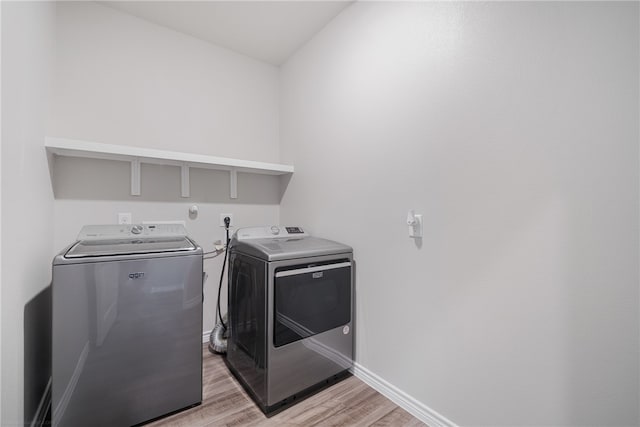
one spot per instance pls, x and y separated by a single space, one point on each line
137 155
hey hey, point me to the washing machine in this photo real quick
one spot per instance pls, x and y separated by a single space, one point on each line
127 326
291 314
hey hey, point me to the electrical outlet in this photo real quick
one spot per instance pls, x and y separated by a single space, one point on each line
222 216
124 218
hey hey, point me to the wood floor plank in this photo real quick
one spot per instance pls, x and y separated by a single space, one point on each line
362 411
347 403
318 414
398 418
239 418
311 414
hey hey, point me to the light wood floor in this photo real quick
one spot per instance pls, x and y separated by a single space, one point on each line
348 403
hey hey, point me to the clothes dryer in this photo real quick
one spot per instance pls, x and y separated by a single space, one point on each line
291 323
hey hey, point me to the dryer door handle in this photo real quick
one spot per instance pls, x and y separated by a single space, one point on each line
313 269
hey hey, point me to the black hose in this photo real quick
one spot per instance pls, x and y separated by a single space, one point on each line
224 261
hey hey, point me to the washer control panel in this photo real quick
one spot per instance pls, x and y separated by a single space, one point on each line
110 232
270 232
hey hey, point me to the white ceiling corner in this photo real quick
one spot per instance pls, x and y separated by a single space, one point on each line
270 31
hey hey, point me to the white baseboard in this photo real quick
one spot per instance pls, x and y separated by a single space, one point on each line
402 399
59 410
205 337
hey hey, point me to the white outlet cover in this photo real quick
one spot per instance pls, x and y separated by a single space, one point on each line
124 218
415 231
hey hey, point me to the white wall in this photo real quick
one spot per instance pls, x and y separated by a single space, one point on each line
27 198
1 210
513 127
123 80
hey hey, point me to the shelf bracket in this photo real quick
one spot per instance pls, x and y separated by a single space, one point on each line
184 170
135 177
233 183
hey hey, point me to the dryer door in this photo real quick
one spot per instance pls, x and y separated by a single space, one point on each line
311 299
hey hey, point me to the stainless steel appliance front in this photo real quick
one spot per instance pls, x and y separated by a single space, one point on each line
309 360
127 343
291 320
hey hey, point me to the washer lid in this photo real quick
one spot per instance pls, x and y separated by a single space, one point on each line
110 247
279 249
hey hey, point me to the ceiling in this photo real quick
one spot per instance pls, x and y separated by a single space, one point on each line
269 31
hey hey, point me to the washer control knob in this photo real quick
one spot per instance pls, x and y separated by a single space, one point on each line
275 230
136 229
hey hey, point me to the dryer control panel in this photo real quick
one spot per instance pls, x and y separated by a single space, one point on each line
270 232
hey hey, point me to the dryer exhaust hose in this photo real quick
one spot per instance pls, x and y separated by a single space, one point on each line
218 338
